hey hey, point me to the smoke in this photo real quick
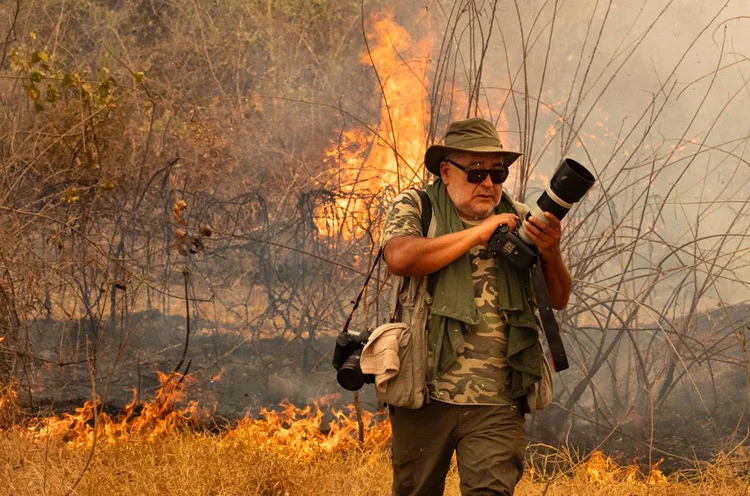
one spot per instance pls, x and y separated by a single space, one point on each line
276 133
652 97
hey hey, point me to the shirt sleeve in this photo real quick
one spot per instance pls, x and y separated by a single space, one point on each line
404 217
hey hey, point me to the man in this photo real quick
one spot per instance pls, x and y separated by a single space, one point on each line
482 330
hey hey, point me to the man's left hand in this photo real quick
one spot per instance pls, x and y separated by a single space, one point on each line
546 237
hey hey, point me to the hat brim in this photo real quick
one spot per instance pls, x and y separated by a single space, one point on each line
437 153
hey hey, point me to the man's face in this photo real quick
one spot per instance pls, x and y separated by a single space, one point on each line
473 201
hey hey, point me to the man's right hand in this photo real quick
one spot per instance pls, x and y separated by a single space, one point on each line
490 224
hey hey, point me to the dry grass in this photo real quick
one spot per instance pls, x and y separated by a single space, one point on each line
156 450
203 464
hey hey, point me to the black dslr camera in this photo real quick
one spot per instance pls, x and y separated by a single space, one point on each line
509 247
346 357
568 185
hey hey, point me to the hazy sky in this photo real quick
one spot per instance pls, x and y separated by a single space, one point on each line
640 81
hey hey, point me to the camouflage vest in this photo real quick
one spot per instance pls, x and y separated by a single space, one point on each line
410 303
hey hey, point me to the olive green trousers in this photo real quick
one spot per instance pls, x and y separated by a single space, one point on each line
489 442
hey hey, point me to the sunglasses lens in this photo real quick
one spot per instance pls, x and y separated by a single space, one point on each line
478 176
499 176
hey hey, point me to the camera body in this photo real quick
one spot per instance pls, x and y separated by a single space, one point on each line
568 185
346 358
507 246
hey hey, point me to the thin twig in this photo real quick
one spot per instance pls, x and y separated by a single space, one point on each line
186 277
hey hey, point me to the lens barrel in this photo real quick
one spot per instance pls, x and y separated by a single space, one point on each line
568 185
570 182
350 376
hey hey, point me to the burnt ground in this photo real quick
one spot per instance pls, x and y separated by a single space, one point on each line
235 376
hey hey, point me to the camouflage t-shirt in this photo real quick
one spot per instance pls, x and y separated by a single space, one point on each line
480 374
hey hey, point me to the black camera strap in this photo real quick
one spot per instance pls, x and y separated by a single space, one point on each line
549 323
424 198
362 291
426 217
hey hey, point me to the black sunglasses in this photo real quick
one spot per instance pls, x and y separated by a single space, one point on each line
476 176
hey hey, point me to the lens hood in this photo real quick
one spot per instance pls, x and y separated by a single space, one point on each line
571 181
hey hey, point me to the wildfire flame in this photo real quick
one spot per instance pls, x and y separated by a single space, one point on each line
601 469
297 433
301 433
10 407
367 167
364 165
161 416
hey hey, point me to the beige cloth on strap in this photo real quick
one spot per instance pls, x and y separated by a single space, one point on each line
380 356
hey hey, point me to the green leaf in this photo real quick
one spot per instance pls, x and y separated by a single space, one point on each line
106 185
37 57
36 76
33 92
67 81
51 93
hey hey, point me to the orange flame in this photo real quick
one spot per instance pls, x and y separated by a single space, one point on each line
301 433
601 469
160 416
10 407
656 476
297 433
366 165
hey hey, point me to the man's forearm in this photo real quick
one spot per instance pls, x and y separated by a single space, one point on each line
557 279
415 256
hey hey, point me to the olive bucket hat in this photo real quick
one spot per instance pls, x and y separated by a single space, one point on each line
472 135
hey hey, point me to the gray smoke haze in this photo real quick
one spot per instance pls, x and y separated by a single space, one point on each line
652 96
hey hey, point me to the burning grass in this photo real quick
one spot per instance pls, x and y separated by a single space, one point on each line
198 463
159 448
10 409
